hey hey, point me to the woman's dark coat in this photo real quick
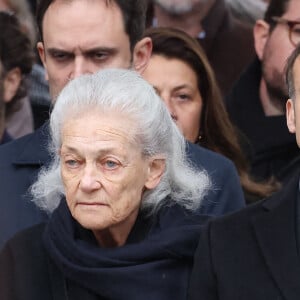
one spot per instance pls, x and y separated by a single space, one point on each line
61 260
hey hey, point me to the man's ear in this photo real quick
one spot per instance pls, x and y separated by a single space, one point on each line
12 81
290 116
141 54
155 172
42 54
261 34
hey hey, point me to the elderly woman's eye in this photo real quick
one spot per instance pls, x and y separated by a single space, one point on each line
110 164
72 163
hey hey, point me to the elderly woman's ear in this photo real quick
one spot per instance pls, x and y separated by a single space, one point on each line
155 171
12 80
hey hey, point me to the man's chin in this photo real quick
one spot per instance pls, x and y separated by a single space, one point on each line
278 97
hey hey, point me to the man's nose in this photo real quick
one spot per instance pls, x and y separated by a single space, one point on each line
80 67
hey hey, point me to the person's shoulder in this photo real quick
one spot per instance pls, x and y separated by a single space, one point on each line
246 216
175 215
13 144
209 160
226 193
234 226
25 235
25 266
26 240
31 144
243 215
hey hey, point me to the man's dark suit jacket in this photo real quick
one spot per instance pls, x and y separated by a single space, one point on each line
251 254
21 160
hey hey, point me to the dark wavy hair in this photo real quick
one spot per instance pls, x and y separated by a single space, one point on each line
133 11
276 8
217 132
15 52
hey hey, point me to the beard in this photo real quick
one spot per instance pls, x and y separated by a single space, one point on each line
178 7
276 87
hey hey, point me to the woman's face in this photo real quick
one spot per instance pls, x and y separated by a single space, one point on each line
176 83
103 171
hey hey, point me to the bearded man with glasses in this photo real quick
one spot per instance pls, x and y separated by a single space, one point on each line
254 253
256 104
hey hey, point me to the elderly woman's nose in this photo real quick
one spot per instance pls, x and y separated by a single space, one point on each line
90 180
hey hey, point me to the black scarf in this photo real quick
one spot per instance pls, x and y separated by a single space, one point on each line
155 263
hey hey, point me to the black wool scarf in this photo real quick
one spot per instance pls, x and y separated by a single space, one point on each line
155 263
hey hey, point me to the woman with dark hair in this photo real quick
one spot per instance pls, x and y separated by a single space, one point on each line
182 76
16 59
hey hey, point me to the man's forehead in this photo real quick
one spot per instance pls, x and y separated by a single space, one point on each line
60 7
89 19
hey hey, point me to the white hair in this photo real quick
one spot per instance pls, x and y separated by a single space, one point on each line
126 92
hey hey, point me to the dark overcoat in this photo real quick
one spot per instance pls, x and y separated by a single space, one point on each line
251 254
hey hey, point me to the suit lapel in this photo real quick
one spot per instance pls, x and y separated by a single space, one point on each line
275 232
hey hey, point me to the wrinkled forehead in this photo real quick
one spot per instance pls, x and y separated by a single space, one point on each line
100 124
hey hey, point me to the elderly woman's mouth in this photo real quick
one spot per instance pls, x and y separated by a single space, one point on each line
91 204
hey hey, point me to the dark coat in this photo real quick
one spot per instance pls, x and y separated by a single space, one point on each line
5 138
156 260
228 44
20 162
268 144
251 254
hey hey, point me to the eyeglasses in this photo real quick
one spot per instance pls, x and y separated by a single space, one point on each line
294 29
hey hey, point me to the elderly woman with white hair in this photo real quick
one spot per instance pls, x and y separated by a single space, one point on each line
123 197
